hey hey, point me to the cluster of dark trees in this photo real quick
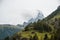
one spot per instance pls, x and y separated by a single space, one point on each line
40 26
56 32
56 35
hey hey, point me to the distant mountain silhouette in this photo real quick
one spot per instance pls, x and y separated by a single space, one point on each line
8 30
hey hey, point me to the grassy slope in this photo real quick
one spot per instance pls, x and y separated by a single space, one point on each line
28 33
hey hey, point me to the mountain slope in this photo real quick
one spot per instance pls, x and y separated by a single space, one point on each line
53 14
8 30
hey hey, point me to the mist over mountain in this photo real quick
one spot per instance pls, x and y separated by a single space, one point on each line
40 16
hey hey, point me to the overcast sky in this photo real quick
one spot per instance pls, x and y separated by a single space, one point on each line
18 11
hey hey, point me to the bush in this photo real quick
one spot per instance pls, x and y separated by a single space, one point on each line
35 37
30 38
46 37
24 38
7 38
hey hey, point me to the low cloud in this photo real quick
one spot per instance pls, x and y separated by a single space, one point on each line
26 15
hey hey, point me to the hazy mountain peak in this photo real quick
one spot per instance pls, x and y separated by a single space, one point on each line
40 16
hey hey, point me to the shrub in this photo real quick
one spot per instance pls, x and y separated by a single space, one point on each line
7 38
46 37
35 37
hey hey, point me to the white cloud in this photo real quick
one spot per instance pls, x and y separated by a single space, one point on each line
18 11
